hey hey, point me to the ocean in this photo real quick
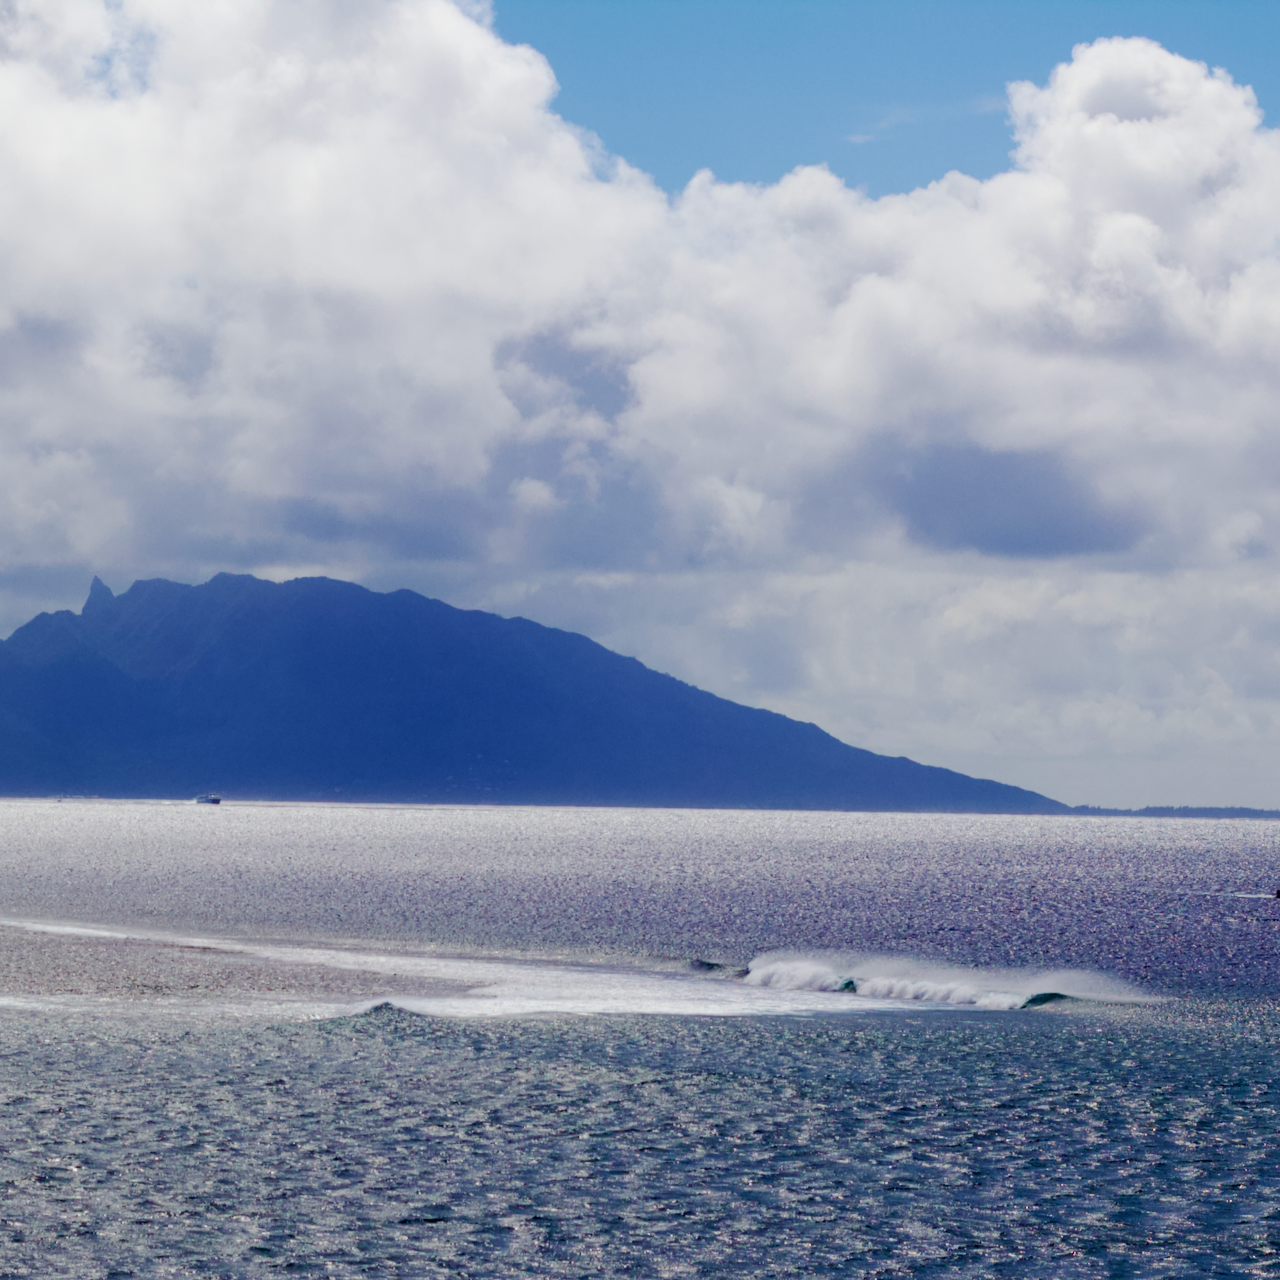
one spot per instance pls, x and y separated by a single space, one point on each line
255 1040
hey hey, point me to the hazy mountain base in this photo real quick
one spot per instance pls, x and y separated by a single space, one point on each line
1177 811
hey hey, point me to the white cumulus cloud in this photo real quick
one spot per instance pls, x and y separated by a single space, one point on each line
986 473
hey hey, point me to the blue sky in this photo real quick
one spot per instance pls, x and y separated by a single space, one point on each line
752 88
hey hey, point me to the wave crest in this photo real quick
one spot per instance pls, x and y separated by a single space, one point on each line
883 977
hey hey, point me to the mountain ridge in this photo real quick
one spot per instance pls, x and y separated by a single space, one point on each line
316 688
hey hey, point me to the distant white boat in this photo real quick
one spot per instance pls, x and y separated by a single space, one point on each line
210 799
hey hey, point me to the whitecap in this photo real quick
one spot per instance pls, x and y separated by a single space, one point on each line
901 978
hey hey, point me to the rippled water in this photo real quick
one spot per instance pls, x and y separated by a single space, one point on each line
309 1040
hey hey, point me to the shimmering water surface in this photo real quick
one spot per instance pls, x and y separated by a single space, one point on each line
251 1040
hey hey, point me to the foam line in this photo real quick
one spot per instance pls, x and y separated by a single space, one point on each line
1223 894
780 983
485 987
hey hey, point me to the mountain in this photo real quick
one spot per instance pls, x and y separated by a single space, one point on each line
323 689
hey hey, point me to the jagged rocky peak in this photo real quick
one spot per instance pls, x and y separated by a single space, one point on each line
99 595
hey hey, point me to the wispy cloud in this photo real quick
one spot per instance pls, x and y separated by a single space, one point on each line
897 119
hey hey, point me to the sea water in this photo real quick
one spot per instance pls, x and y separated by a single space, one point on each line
259 1040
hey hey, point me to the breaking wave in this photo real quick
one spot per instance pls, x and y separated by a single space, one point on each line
898 978
779 983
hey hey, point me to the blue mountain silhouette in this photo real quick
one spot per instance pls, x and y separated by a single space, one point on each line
325 690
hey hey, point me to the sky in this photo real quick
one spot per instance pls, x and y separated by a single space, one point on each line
910 369
889 96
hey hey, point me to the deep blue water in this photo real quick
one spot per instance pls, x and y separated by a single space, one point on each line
203 1078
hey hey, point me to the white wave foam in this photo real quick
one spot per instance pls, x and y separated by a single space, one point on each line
454 986
779 983
898 978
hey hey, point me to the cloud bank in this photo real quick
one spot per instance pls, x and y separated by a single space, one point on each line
987 473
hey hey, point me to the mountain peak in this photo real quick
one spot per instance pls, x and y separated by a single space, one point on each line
99 595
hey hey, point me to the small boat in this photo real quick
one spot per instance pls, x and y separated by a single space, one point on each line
209 799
